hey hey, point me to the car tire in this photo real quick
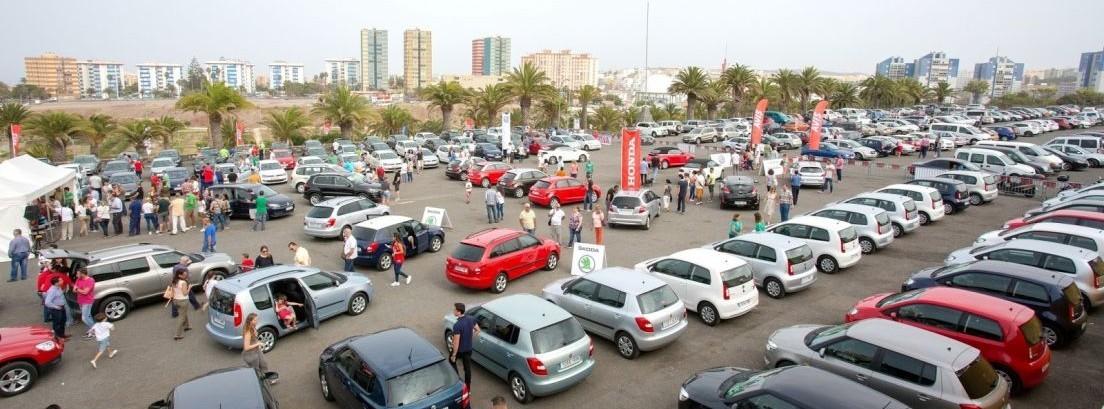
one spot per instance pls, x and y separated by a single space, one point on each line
519 193
626 345
358 304
448 341
499 284
464 176
898 230
115 307
1014 385
858 156
553 159
647 222
697 141
708 314
827 265
1053 336
664 164
553 202
867 245
976 199
314 199
384 262
486 183
300 188
325 385
924 219
267 337
949 209
552 261
435 244
362 195
1066 166
17 377
519 388
774 288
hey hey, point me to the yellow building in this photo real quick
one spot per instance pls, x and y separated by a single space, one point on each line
56 74
564 68
417 59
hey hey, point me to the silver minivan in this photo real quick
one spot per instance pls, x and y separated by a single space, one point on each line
903 215
636 310
635 208
328 218
994 161
779 264
872 223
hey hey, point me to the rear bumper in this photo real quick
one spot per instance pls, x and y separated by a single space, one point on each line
800 281
548 385
910 225
652 342
738 307
635 219
327 233
1033 373
847 260
227 340
478 281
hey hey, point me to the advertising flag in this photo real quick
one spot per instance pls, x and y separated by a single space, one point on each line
818 125
757 122
15 130
506 141
238 131
630 159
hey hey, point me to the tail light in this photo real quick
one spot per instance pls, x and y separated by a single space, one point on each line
331 222
968 406
958 194
641 209
590 349
724 292
645 325
880 227
1096 281
237 315
789 267
933 203
842 249
371 247
725 190
465 397
912 169
536 366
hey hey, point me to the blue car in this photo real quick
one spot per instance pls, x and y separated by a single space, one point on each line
1005 133
374 238
828 150
489 152
389 369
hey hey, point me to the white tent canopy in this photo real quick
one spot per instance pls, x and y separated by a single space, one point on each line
22 180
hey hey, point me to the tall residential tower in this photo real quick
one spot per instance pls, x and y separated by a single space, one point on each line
1003 75
373 58
565 69
54 73
491 56
417 59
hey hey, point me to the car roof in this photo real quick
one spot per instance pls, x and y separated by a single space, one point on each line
396 351
237 387
630 281
380 222
1048 247
906 186
633 193
745 180
709 258
269 161
818 221
973 302
1079 214
523 170
942 180
242 282
1087 231
485 237
881 196
904 339
338 201
813 387
853 207
527 311
771 239
809 163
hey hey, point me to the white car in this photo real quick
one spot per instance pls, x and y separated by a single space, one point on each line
308 160
953 119
566 140
736 143
406 146
676 125
429 159
835 244
1086 237
390 160
587 141
871 223
862 152
735 130
1095 160
715 285
812 173
160 165
272 172
899 125
653 129
443 152
981 185
561 154
1023 129
302 173
928 200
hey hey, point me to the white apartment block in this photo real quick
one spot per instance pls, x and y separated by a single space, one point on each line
343 71
564 68
235 74
99 79
281 72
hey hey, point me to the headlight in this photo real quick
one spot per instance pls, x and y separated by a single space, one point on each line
46 346
683 396
771 346
854 310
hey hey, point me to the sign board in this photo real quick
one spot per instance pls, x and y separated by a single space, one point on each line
687 147
587 258
239 128
605 139
469 124
757 122
436 216
506 142
631 154
16 129
723 159
775 164
922 172
576 123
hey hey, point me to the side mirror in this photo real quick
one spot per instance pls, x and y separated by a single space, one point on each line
893 315
821 352
161 404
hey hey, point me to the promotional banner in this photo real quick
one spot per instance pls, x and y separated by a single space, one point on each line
586 258
576 123
435 216
506 142
15 130
757 122
469 124
630 159
326 127
239 130
818 125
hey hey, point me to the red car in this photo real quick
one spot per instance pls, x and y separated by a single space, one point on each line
669 156
490 258
557 189
1077 217
488 174
537 144
1063 123
285 158
24 353
1008 334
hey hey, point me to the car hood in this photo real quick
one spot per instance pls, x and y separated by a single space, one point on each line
370 185
214 258
10 336
556 287
279 199
961 255
792 338
704 387
987 238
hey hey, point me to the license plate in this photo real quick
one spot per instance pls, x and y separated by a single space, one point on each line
806 280
670 323
739 203
461 269
624 211
218 321
316 225
570 362
850 245
742 303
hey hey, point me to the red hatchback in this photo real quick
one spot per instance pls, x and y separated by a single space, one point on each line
285 158
669 156
488 174
1008 334
1075 217
557 189
490 258
24 353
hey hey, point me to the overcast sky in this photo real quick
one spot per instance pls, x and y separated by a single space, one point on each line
838 35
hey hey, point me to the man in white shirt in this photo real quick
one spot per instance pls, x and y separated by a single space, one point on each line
302 258
66 222
349 252
555 220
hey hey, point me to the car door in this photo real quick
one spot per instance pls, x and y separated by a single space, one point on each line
342 186
349 213
368 209
328 299
934 318
990 284
607 310
676 273
747 251
653 202
488 347
578 299
700 283
907 379
137 275
529 253
850 358
163 264
574 192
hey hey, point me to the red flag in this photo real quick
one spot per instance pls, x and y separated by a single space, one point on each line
238 132
818 125
326 127
757 122
15 130
630 159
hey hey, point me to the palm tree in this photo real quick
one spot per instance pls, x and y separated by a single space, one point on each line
692 82
216 100
630 114
287 124
607 119
444 95
344 108
941 91
489 101
12 113
713 97
165 128
672 111
137 133
976 88
528 83
762 88
845 95
98 128
586 95
878 91
56 129
809 82
392 120
552 109
788 84
739 79
911 91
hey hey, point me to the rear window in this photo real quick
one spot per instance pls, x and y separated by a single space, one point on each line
625 201
882 218
798 255
896 298
656 299
468 252
416 385
1032 331
978 378
910 205
541 184
936 197
361 233
321 212
990 180
848 234
736 276
221 301
556 336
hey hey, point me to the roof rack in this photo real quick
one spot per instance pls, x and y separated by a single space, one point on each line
479 232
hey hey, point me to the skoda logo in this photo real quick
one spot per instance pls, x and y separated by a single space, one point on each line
586 264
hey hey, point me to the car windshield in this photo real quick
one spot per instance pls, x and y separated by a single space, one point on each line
413 386
124 178
320 212
281 154
177 174
162 162
387 155
896 298
825 334
262 188
117 166
468 252
736 276
978 378
625 202
657 299
556 336
271 166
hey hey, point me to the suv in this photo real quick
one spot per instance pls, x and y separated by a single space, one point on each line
304 171
652 129
635 310
374 237
231 387
702 134
715 285
517 182
327 219
136 272
26 351
834 243
872 223
792 272
490 258
242 197
323 295
333 184
634 207
981 186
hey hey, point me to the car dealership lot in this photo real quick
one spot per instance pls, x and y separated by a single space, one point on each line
151 363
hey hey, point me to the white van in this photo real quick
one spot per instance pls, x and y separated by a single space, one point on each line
993 161
928 200
835 244
1029 149
973 133
1086 142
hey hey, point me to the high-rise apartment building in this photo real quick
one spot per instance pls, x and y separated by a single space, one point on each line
99 79
491 56
1003 75
344 71
280 72
155 77
417 59
895 68
565 69
935 67
53 73
1090 71
373 58
235 74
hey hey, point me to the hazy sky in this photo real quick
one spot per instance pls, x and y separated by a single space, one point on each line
837 35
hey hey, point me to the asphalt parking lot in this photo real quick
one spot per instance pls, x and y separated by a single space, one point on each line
151 363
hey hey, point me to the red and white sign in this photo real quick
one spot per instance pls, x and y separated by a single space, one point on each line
469 124
757 122
326 127
630 159
239 130
15 130
817 126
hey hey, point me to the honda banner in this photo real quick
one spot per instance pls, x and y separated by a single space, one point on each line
239 130
757 122
630 159
15 130
818 125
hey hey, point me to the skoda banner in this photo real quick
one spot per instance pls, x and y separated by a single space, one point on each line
630 159
757 122
818 125
587 258
505 131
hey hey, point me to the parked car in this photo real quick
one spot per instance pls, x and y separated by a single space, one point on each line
928 200
159 165
739 191
271 172
884 147
1088 238
812 173
566 140
981 186
223 388
871 223
828 150
491 258
903 214
303 172
557 154
954 193
242 197
669 156
128 181
375 235
587 142
834 243
459 169
327 219
792 387
174 178
943 164
554 191
1088 204
653 129
1074 217
487 174
779 264
333 184
517 182
285 158
536 346
862 152
1092 158
489 152
88 163
715 285
429 159
388 159
702 134
635 208
25 353
704 166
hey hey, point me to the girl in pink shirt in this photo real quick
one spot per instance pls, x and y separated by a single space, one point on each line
84 287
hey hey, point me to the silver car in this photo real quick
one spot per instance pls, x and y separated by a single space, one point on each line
872 223
791 272
636 208
327 218
429 159
635 310
323 295
922 369
903 215
161 164
539 348
1084 266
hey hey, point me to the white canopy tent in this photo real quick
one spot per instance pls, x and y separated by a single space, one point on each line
22 180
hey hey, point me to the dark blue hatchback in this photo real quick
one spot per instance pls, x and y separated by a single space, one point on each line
389 369
374 237
954 192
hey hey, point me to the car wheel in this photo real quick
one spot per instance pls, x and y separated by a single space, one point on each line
1066 166
486 183
784 363
500 282
648 222
708 314
519 193
827 265
115 307
435 244
448 341
553 202
663 165
626 346
898 230
1053 336
697 141
358 304
384 262
315 199
774 288
924 219
267 337
975 199
867 245
858 156
948 209
326 394
464 177
519 389
1013 381
362 195
300 187
16 378
552 261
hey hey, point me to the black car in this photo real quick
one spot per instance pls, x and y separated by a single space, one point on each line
242 197
517 182
433 143
238 387
175 178
739 191
1068 162
882 146
128 181
1054 296
954 192
333 184
113 167
393 368
796 387
488 151
458 169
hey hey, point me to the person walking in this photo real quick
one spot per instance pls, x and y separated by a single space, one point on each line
252 349
395 183
683 186
599 221
735 227
588 169
84 287
588 196
178 292
574 170
209 230
117 214
135 214
667 195
300 256
81 213
163 206
772 203
710 183
575 227
528 219
467 191
149 214
924 144
555 221
760 225
191 203
176 209
829 170
101 330
214 211
644 172
260 211
839 169
491 200
699 187
464 331
103 216
500 205
19 248
938 145
795 184
398 256
264 258
785 200
655 167
385 190
349 250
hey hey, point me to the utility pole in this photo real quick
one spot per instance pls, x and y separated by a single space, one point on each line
645 111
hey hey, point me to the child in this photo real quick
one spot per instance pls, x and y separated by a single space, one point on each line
246 263
467 192
102 330
284 311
